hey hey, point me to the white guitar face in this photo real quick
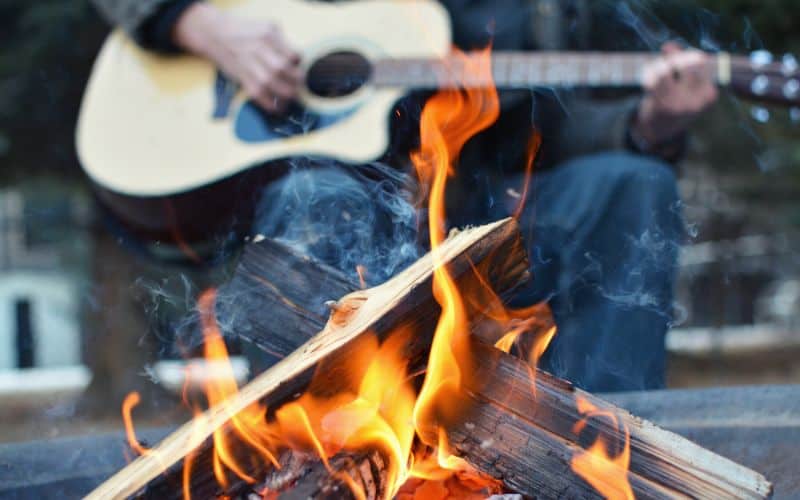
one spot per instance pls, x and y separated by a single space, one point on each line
156 126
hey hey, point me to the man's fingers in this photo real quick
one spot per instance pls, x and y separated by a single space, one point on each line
282 89
671 47
683 67
284 68
688 62
261 87
655 73
279 45
270 103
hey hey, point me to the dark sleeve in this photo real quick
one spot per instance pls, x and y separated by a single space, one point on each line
149 22
591 125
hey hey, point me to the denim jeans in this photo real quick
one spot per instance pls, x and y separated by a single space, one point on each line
603 234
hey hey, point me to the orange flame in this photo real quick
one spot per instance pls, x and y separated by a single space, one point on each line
608 474
131 400
372 410
449 119
533 148
367 406
248 425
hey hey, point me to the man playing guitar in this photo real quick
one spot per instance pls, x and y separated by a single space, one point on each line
603 224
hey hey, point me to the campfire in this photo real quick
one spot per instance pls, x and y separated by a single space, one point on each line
425 387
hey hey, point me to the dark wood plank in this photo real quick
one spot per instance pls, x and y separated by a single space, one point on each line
276 298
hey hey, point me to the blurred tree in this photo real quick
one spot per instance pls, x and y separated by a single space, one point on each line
46 51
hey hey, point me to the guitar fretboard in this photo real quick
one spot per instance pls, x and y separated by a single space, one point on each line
519 70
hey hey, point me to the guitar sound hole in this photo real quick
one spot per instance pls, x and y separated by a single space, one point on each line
338 74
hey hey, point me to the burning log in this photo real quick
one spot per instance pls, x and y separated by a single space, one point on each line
405 301
530 429
520 426
522 420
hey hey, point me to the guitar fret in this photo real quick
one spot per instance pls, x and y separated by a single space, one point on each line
516 70
562 71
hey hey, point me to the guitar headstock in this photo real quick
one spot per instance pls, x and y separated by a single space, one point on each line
764 77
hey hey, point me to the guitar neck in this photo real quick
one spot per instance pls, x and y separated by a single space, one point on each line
530 69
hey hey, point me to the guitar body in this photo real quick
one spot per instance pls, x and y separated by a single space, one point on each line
162 135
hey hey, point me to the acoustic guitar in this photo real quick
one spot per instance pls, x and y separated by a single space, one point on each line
166 138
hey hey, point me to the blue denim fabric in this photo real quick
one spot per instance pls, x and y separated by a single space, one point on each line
603 233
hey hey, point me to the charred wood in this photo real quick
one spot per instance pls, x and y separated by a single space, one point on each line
404 301
521 426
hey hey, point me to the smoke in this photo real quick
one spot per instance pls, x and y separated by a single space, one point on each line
169 305
345 216
649 29
350 216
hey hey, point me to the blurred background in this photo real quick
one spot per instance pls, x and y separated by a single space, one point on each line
737 318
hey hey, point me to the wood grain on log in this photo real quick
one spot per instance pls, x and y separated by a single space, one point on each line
515 430
519 425
406 300
521 428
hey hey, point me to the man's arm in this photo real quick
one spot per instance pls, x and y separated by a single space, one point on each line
141 18
678 87
253 53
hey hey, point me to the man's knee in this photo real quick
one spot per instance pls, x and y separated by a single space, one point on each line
643 179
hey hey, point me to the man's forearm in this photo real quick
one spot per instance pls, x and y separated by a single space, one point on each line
149 22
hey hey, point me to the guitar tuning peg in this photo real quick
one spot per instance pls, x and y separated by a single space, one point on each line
759 85
794 115
791 89
760 114
760 58
790 65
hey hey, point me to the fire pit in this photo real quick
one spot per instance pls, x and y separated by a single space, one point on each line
757 427
312 426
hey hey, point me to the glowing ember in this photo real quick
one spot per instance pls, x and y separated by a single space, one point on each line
607 472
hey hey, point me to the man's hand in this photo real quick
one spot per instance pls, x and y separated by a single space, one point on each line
255 54
679 86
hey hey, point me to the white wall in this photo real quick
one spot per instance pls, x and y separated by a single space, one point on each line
54 316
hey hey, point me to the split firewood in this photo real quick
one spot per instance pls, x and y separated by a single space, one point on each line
404 301
520 426
529 428
520 415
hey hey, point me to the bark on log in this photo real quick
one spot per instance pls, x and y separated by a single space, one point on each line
294 289
406 300
522 426
527 437
309 478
